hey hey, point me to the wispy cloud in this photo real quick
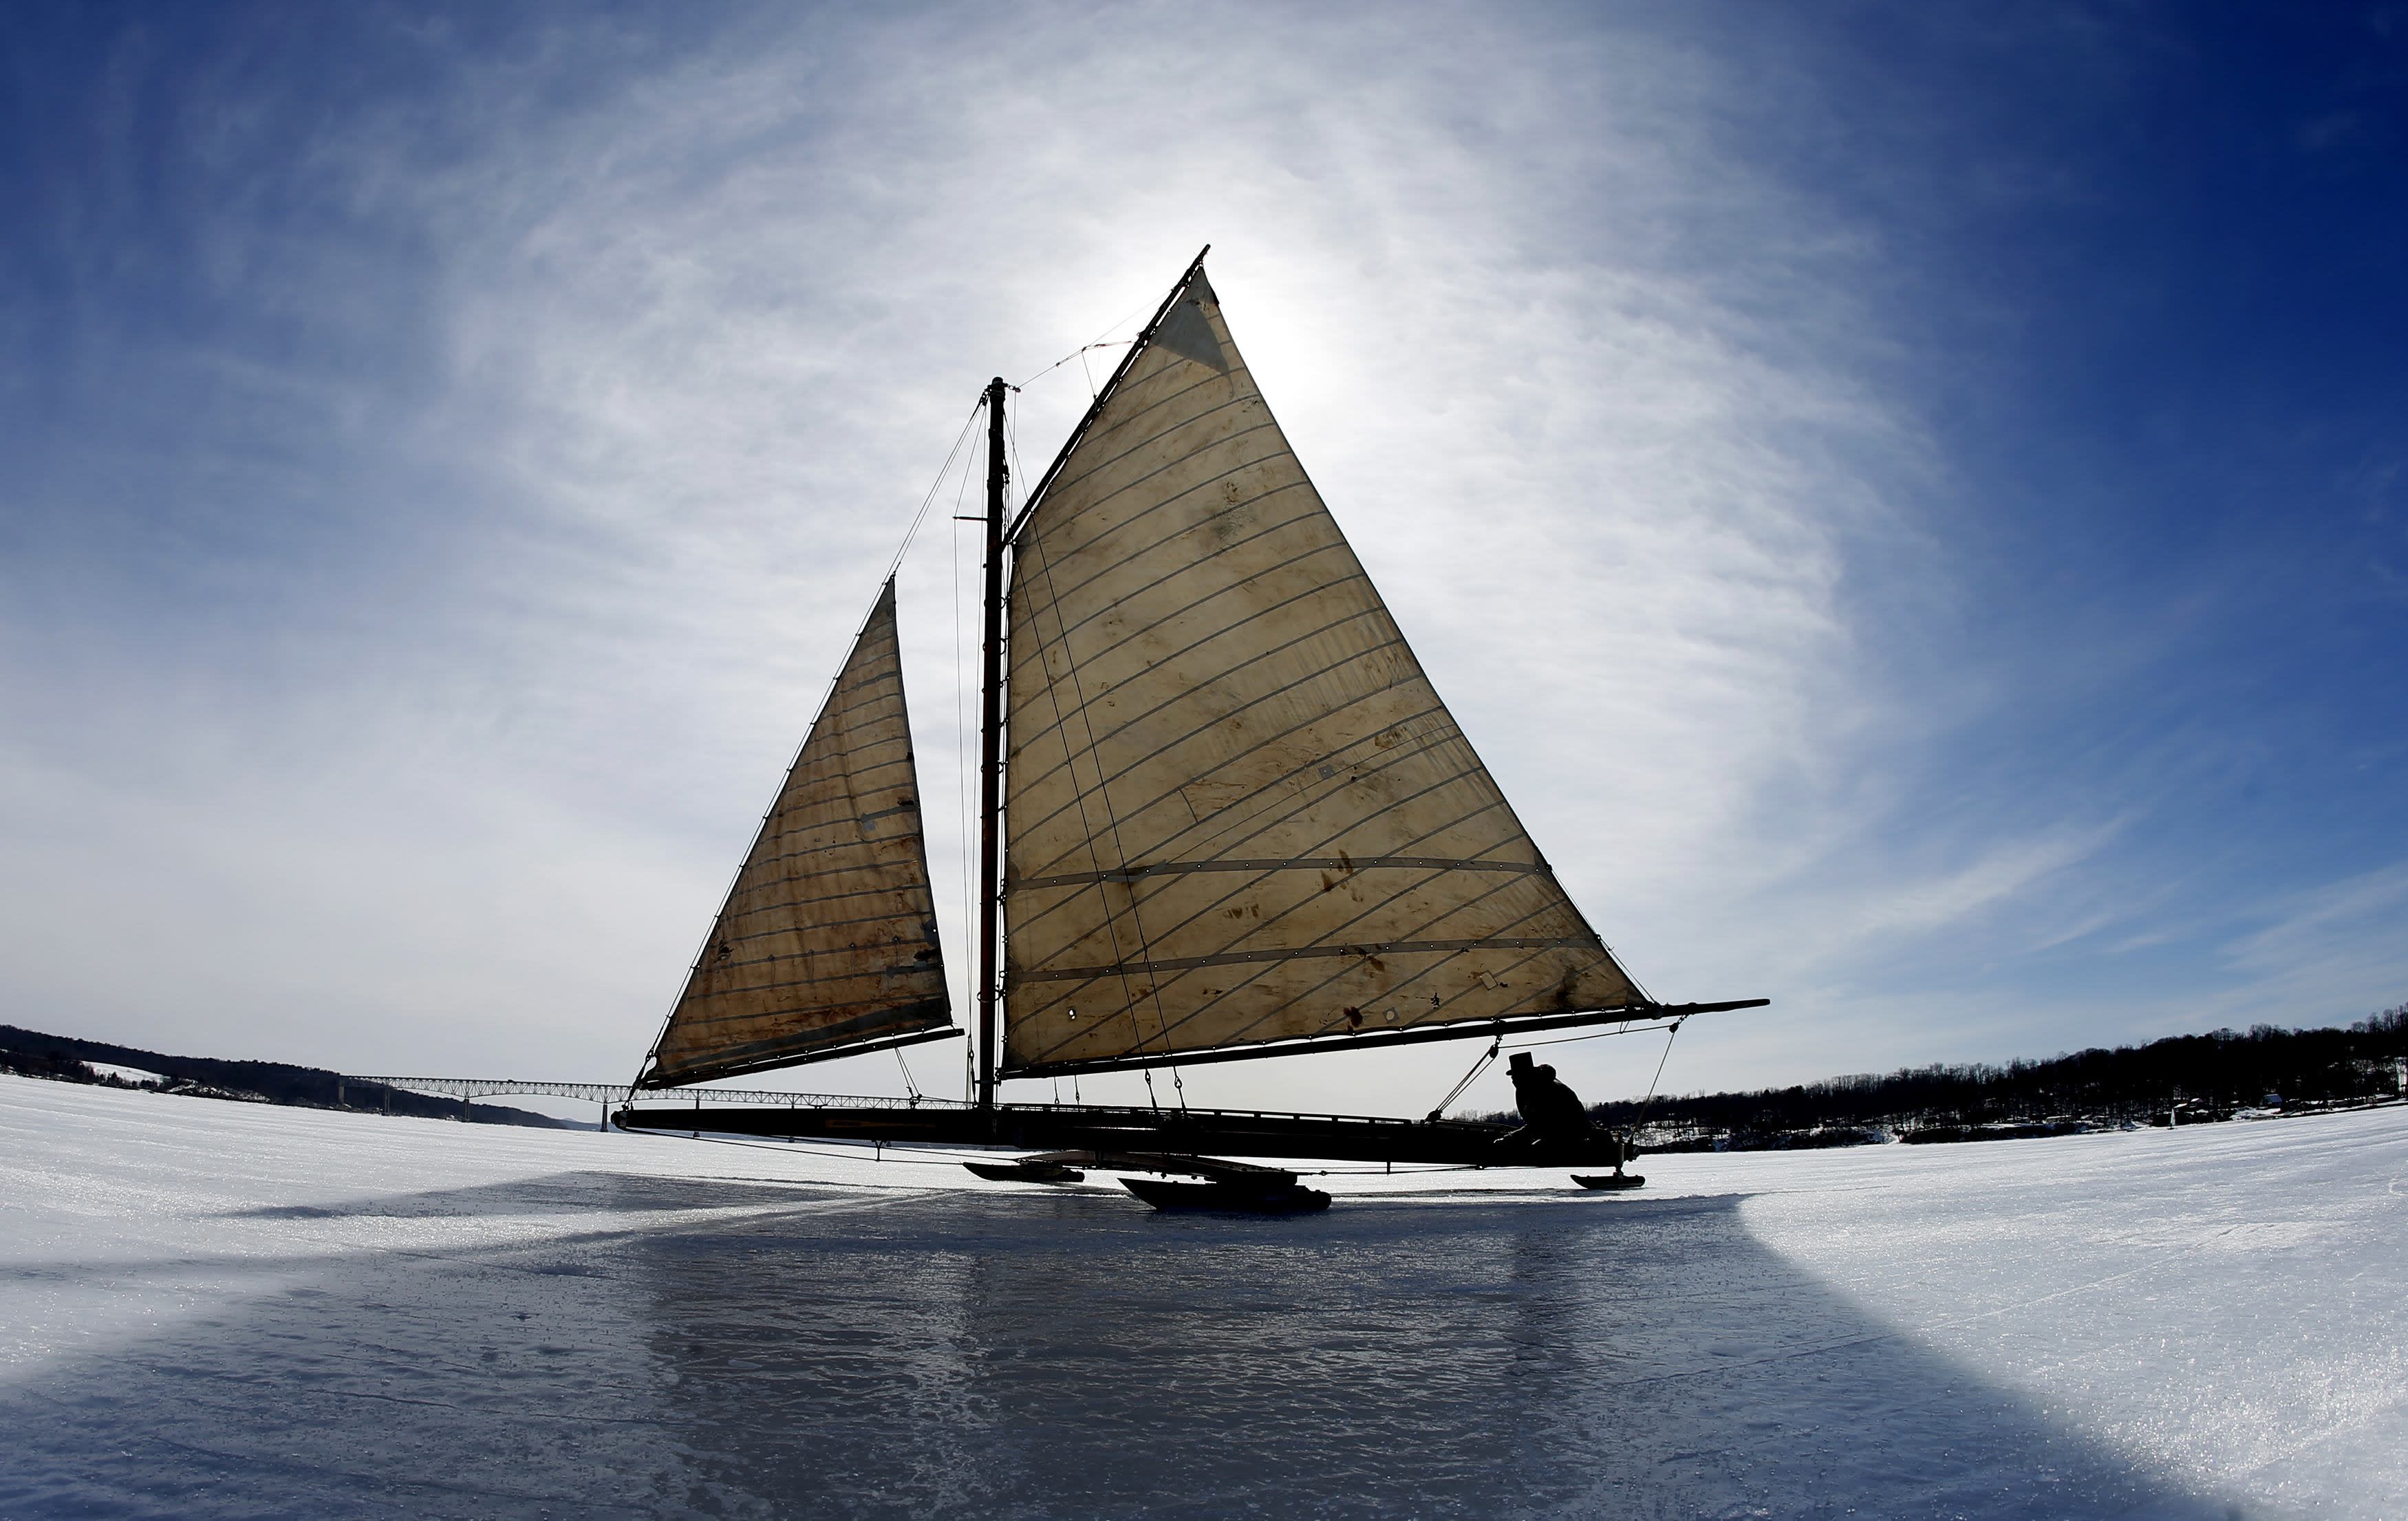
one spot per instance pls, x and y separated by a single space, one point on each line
2339 936
430 621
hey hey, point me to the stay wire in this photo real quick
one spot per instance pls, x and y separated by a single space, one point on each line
1080 354
966 812
1178 1082
1099 341
1112 820
934 486
827 694
1595 1035
1477 1067
1481 1065
1671 1030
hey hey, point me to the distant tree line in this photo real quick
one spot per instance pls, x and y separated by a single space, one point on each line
2197 1077
63 1058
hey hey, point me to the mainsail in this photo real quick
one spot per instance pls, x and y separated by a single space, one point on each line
827 942
1236 811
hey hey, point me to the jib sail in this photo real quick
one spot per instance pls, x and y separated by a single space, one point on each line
827 942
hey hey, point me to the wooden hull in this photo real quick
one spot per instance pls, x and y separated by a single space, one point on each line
1197 1132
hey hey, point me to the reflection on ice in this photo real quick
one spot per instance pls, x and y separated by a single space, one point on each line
1065 1355
817 1352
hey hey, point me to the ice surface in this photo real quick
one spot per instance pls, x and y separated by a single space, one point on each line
215 1309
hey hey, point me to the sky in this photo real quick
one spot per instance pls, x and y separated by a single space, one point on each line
1911 502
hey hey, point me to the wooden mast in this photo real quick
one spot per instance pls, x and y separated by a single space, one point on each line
991 751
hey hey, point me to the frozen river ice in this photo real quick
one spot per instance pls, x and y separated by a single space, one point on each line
215 1310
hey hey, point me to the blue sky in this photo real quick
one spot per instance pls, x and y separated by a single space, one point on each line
1912 502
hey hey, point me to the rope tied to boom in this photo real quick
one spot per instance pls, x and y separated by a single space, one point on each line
1477 1067
1671 1030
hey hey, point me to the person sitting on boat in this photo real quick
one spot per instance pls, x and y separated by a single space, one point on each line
1551 1114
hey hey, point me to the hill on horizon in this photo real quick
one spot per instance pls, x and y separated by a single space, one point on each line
63 1057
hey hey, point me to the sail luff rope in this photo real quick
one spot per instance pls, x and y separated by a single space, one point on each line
828 693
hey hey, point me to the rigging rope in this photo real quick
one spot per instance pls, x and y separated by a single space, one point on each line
966 812
1112 820
1595 1035
827 693
934 486
1671 1030
1080 354
1479 1067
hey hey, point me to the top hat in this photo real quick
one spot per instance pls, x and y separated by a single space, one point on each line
1520 1064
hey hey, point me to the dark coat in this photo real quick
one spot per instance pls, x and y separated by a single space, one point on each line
1550 1109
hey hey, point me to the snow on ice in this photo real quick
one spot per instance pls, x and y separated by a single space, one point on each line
217 1309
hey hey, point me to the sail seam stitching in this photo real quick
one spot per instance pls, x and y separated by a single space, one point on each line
1234 832
1494 941
1339 862
1074 514
877 972
1094 539
1239 625
1108 604
1308 953
817 923
917 1009
1455 823
1112 928
1101 466
1404 991
831 897
1190 694
831 871
1318 674
1556 901
1136 557
1264 821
